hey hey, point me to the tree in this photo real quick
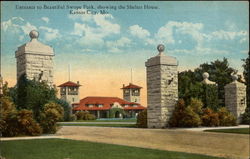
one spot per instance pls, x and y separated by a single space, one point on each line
189 86
33 95
66 108
246 75
219 72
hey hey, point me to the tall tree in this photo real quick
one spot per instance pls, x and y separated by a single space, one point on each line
33 95
219 72
246 75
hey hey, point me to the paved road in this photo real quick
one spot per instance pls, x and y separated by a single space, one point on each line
209 143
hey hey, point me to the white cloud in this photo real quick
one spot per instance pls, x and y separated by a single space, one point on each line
138 31
94 28
17 24
46 19
227 35
122 42
166 33
50 33
28 27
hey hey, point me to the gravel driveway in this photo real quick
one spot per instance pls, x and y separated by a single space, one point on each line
213 144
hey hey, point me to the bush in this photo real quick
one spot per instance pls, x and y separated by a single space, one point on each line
66 109
196 105
246 117
73 117
16 123
186 116
51 114
84 116
26 124
190 118
142 119
226 118
210 118
175 119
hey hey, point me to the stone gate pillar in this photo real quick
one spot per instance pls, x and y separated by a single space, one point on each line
235 98
35 59
162 88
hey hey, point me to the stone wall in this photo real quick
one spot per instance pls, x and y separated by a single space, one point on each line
35 59
162 89
235 99
33 65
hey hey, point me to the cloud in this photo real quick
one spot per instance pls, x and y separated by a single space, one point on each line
122 42
17 24
50 33
139 32
165 33
103 25
46 19
93 29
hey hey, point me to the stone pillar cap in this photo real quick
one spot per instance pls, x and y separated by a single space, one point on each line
160 49
34 46
205 76
161 59
234 77
34 34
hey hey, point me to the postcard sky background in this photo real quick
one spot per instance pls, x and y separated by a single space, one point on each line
102 49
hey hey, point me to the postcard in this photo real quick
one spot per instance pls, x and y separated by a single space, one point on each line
117 59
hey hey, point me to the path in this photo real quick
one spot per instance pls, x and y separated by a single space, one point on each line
209 143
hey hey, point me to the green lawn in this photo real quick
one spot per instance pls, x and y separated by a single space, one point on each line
70 149
236 131
102 125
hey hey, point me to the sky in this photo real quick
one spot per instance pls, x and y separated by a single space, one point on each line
102 48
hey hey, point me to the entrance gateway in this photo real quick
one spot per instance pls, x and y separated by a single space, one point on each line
162 88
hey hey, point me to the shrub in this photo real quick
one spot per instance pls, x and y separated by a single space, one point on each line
226 118
84 116
66 109
196 105
26 124
178 114
190 118
246 117
210 118
7 110
51 114
142 119
186 116
73 117
14 123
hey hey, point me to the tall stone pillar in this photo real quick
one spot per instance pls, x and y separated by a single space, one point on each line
235 98
162 88
35 59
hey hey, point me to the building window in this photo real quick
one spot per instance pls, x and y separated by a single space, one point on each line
135 92
73 99
126 91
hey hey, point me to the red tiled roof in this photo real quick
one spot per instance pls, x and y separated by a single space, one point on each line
106 103
69 84
131 86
